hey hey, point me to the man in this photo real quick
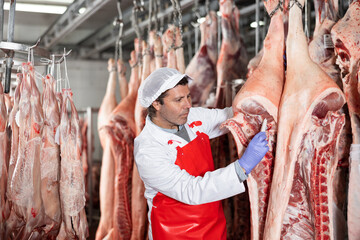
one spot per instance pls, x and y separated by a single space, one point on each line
174 160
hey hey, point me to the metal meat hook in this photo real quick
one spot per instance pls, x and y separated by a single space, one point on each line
30 50
118 43
64 55
196 23
207 7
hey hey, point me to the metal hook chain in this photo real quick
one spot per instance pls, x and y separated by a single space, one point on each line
179 17
278 6
156 15
31 51
135 24
292 2
196 12
150 16
207 6
67 81
118 44
177 10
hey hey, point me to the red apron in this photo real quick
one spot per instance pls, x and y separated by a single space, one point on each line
171 219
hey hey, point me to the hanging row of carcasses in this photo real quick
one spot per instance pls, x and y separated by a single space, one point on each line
299 188
42 194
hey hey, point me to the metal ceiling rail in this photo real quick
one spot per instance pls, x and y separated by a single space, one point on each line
129 34
70 20
101 41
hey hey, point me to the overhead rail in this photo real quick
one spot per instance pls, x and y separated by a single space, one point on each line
100 43
106 38
70 20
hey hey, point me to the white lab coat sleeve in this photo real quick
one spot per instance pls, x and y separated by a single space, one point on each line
159 173
212 119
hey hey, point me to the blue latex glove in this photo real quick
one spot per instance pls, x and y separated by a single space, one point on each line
255 151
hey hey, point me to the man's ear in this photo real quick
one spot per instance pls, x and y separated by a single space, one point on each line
156 105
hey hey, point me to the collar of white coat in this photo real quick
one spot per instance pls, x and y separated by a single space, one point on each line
168 138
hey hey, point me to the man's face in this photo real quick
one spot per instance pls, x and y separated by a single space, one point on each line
175 110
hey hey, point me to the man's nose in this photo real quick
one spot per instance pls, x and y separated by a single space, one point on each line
187 103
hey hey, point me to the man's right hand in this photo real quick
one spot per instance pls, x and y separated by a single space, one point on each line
255 151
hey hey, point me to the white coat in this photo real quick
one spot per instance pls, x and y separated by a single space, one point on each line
155 156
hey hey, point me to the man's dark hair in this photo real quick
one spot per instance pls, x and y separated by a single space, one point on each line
151 110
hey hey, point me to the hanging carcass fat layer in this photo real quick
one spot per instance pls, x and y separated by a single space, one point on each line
4 205
116 170
300 203
346 35
50 159
121 131
72 187
122 136
202 67
257 100
27 205
232 60
106 189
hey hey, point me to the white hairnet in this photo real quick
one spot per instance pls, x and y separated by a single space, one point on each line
157 82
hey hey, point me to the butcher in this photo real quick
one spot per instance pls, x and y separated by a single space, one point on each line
173 156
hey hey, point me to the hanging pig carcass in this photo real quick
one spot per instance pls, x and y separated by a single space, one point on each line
321 50
232 59
202 67
300 203
257 100
346 35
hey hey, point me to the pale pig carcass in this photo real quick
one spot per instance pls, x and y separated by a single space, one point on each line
309 126
168 42
231 65
109 102
138 201
121 133
232 59
116 170
172 43
107 176
321 50
257 100
202 67
346 35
